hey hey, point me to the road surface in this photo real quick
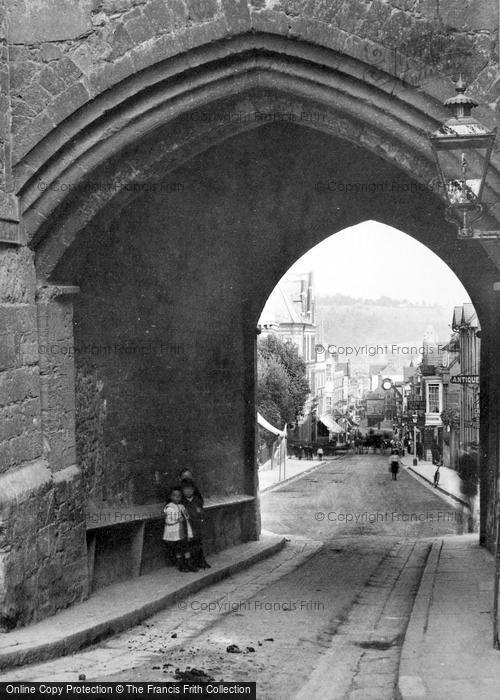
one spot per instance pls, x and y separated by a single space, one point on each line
323 618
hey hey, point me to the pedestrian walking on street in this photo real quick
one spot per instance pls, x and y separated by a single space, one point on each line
194 508
320 453
436 476
394 464
420 450
178 533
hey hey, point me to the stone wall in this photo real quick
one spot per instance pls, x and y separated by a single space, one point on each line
62 58
42 521
159 356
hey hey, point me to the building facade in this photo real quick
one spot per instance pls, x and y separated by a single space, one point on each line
468 332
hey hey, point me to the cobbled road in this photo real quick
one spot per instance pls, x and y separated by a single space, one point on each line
324 618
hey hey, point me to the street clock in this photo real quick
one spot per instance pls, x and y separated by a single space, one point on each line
387 384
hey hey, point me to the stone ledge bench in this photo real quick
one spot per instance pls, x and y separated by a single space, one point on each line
125 541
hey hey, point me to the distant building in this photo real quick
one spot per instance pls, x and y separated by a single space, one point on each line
375 407
375 374
443 390
451 405
289 314
466 325
331 392
385 370
329 383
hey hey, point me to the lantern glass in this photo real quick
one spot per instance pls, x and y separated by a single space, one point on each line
462 164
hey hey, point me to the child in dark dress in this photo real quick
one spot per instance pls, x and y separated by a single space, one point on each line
192 501
188 475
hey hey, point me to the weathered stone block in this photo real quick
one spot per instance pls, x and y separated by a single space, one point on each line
111 73
49 79
75 576
202 10
237 15
18 384
49 573
20 449
121 42
68 102
46 542
37 582
113 6
403 4
18 52
271 21
68 70
22 74
18 319
52 20
35 98
18 419
166 16
7 351
75 544
28 136
50 52
139 28
468 14
17 275
27 353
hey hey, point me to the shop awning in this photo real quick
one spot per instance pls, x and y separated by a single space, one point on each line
265 424
332 425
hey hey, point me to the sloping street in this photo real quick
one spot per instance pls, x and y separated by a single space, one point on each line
329 611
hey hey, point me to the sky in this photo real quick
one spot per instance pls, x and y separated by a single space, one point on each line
371 260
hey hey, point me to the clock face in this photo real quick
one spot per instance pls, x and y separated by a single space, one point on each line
386 384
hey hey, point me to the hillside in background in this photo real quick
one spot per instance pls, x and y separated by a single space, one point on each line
346 321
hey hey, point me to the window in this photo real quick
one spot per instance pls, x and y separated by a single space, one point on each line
434 398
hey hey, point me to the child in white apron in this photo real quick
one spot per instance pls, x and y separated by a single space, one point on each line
178 532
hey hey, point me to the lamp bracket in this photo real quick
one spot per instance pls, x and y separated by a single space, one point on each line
463 220
480 235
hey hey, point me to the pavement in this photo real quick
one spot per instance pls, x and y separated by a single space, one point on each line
294 468
450 484
195 631
116 607
448 650
449 481
448 646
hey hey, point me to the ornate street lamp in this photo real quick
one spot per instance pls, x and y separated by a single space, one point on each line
462 150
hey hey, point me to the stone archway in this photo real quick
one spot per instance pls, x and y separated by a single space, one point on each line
194 266
77 235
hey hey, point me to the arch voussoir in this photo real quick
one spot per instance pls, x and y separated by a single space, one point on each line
110 140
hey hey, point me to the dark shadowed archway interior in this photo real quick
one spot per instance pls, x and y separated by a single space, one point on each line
171 292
